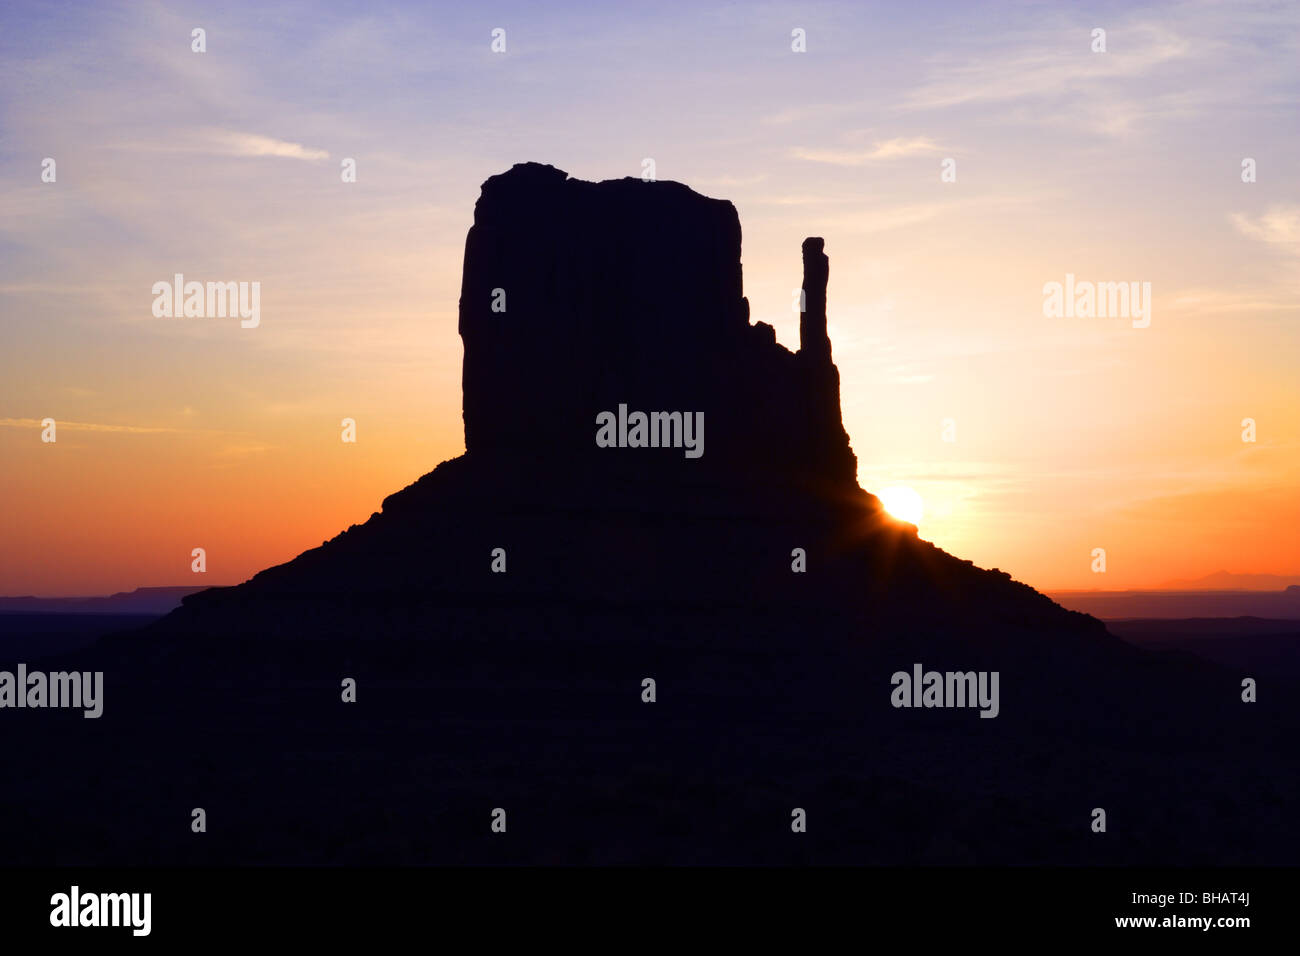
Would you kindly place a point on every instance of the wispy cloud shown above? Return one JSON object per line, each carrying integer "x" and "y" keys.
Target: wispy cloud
{"x": 228, "y": 142}
{"x": 1279, "y": 225}
{"x": 84, "y": 426}
{"x": 897, "y": 148}
{"x": 250, "y": 144}
{"x": 1040, "y": 74}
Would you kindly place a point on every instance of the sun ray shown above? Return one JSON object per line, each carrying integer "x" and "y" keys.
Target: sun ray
{"x": 903, "y": 503}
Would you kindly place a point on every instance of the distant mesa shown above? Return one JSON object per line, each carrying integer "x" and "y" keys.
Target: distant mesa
{"x": 1230, "y": 581}
{"x": 141, "y": 601}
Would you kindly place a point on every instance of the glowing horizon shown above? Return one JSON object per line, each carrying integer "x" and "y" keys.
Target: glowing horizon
{"x": 1032, "y": 440}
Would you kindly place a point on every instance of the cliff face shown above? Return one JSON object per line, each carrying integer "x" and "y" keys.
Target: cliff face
{"x": 578, "y": 297}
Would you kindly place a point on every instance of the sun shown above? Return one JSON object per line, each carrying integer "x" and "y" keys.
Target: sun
{"x": 903, "y": 503}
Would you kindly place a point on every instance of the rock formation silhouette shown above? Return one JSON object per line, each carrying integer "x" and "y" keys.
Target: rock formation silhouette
{"x": 580, "y": 297}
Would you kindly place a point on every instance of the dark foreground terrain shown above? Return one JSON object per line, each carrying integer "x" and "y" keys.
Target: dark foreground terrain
{"x": 551, "y": 727}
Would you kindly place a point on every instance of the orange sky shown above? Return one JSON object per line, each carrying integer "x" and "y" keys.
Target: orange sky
{"x": 1071, "y": 433}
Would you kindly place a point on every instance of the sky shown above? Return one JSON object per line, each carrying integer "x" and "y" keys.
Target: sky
{"x": 1033, "y": 440}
